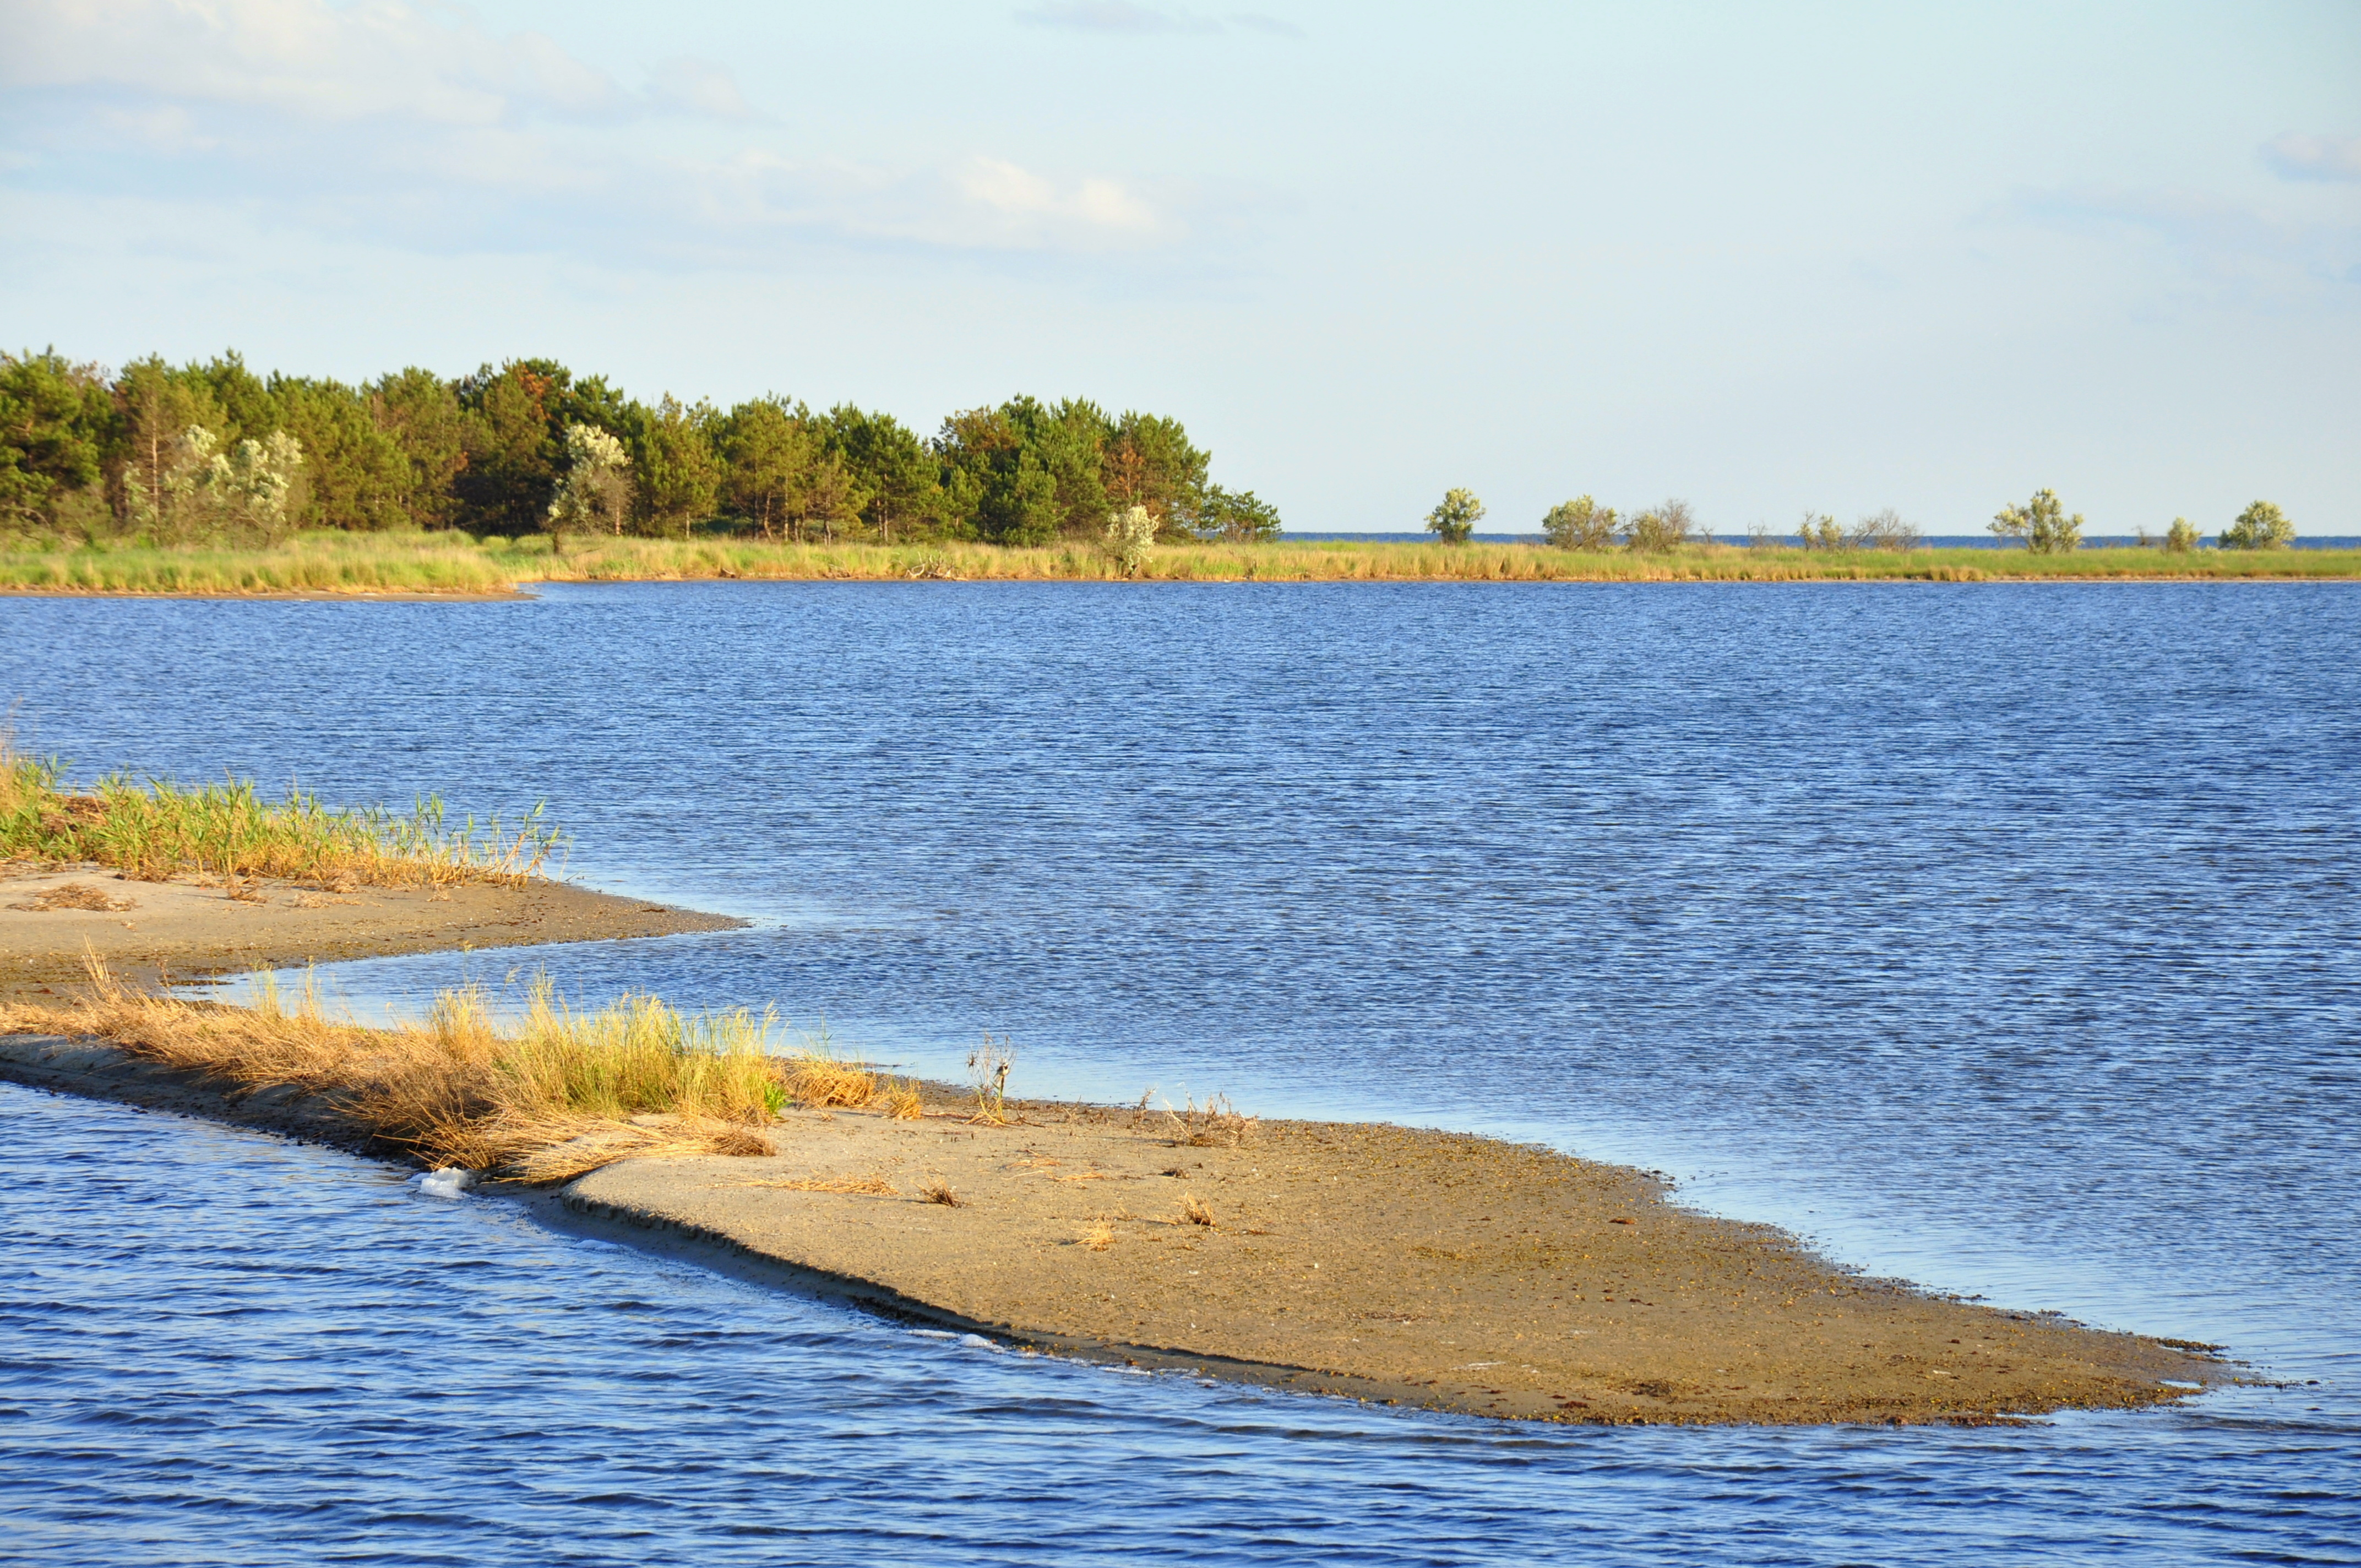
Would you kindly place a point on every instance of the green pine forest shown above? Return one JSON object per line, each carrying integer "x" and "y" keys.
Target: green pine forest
{"x": 213, "y": 452}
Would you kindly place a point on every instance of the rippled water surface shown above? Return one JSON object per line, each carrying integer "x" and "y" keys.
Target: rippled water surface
{"x": 2001, "y": 935}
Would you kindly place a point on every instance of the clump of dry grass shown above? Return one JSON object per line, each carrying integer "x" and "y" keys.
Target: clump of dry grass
{"x": 1097, "y": 1236}
{"x": 940, "y": 1193}
{"x": 562, "y": 1094}
{"x": 1215, "y": 1124}
{"x": 901, "y": 1101}
{"x": 816, "y": 1077}
{"x": 75, "y": 895}
{"x": 1194, "y": 1210}
{"x": 987, "y": 1073}
{"x": 155, "y": 830}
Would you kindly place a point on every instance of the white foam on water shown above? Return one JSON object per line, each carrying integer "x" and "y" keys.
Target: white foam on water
{"x": 977, "y": 1342}
{"x": 449, "y": 1182}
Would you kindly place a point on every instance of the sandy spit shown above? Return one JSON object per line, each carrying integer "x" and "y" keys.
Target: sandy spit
{"x": 191, "y": 927}
{"x": 1389, "y": 1264}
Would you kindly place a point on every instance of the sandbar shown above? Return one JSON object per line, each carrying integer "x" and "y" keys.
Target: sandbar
{"x": 1405, "y": 1266}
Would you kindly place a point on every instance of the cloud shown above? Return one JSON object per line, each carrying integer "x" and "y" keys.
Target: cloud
{"x": 420, "y": 129}
{"x": 1123, "y": 18}
{"x": 2314, "y": 158}
{"x": 2235, "y": 250}
{"x": 375, "y": 60}
{"x": 698, "y": 87}
{"x": 1255, "y": 21}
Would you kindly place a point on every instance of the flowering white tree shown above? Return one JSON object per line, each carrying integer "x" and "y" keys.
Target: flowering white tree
{"x": 597, "y": 487}
{"x": 1130, "y": 535}
{"x": 207, "y": 490}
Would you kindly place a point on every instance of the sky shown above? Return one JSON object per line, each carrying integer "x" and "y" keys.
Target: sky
{"x": 1766, "y": 259}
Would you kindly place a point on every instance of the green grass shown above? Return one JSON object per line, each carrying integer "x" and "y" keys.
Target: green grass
{"x": 455, "y": 563}
{"x": 155, "y": 828}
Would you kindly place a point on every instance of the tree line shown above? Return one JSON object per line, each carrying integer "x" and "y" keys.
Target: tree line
{"x": 180, "y": 454}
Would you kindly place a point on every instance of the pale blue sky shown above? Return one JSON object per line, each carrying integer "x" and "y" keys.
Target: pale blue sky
{"x": 1765, "y": 257}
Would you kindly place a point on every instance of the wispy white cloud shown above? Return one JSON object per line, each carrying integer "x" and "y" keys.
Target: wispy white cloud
{"x": 420, "y": 129}
{"x": 304, "y": 58}
{"x": 2314, "y": 158}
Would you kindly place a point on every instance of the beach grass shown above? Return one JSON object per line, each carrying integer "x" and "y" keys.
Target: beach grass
{"x": 155, "y": 828}
{"x": 561, "y": 1093}
{"x": 452, "y": 564}
{"x": 326, "y": 562}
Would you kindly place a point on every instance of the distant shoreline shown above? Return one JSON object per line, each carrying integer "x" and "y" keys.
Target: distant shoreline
{"x": 454, "y": 566}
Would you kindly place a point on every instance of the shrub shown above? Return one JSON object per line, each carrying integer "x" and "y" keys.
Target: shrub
{"x": 1580, "y": 524}
{"x": 1660, "y": 528}
{"x": 2042, "y": 523}
{"x": 1884, "y": 530}
{"x": 1130, "y": 536}
{"x": 2181, "y": 537}
{"x": 2261, "y": 526}
{"x": 1455, "y": 519}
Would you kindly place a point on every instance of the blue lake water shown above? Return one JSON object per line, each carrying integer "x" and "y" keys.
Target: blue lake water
{"x": 2000, "y": 936}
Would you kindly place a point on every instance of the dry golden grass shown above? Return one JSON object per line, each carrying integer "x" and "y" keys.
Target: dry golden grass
{"x": 75, "y": 895}
{"x": 819, "y": 1078}
{"x": 901, "y": 1101}
{"x": 1217, "y": 1123}
{"x": 1194, "y": 1210}
{"x": 940, "y": 1193}
{"x": 563, "y": 1093}
{"x": 155, "y": 830}
{"x": 1097, "y": 1236}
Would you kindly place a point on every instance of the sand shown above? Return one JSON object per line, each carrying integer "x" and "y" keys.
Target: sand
{"x": 1386, "y": 1263}
{"x": 189, "y": 927}
{"x": 1413, "y": 1267}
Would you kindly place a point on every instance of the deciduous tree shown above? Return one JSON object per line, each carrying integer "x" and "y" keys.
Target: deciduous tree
{"x": 2262, "y": 526}
{"x": 1455, "y": 519}
{"x": 2042, "y": 523}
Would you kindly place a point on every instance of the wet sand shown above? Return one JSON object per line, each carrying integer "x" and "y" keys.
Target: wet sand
{"x": 190, "y": 927}
{"x": 1386, "y": 1263}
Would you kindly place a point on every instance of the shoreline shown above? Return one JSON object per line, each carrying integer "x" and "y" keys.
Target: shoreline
{"x": 1417, "y": 1267}
{"x": 423, "y": 567}
{"x": 189, "y": 927}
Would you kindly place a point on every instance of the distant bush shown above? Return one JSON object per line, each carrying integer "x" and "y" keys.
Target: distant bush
{"x": 1664, "y": 527}
{"x": 1455, "y": 519}
{"x": 2042, "y": 523}
{"x": 2181, "y": 537}
{"x": 2261, "y": 526}
{"x": 1884, "y": 530}
{"x": 1580, "y": 524}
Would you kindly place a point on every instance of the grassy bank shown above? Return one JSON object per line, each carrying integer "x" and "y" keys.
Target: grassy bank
{"x": 155, "y": 828}
{"x": 326, "y": 562}
{"x": 561, "y": 1094}
{"x": 454, "y": 564}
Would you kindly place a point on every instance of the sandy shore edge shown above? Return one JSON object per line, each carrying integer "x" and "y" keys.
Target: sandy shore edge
{"x": 189, "y": 926}
{"x": 1392, "y": 1265}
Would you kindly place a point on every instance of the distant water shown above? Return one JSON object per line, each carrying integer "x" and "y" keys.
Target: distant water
{"x": 2000, "y": 936}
